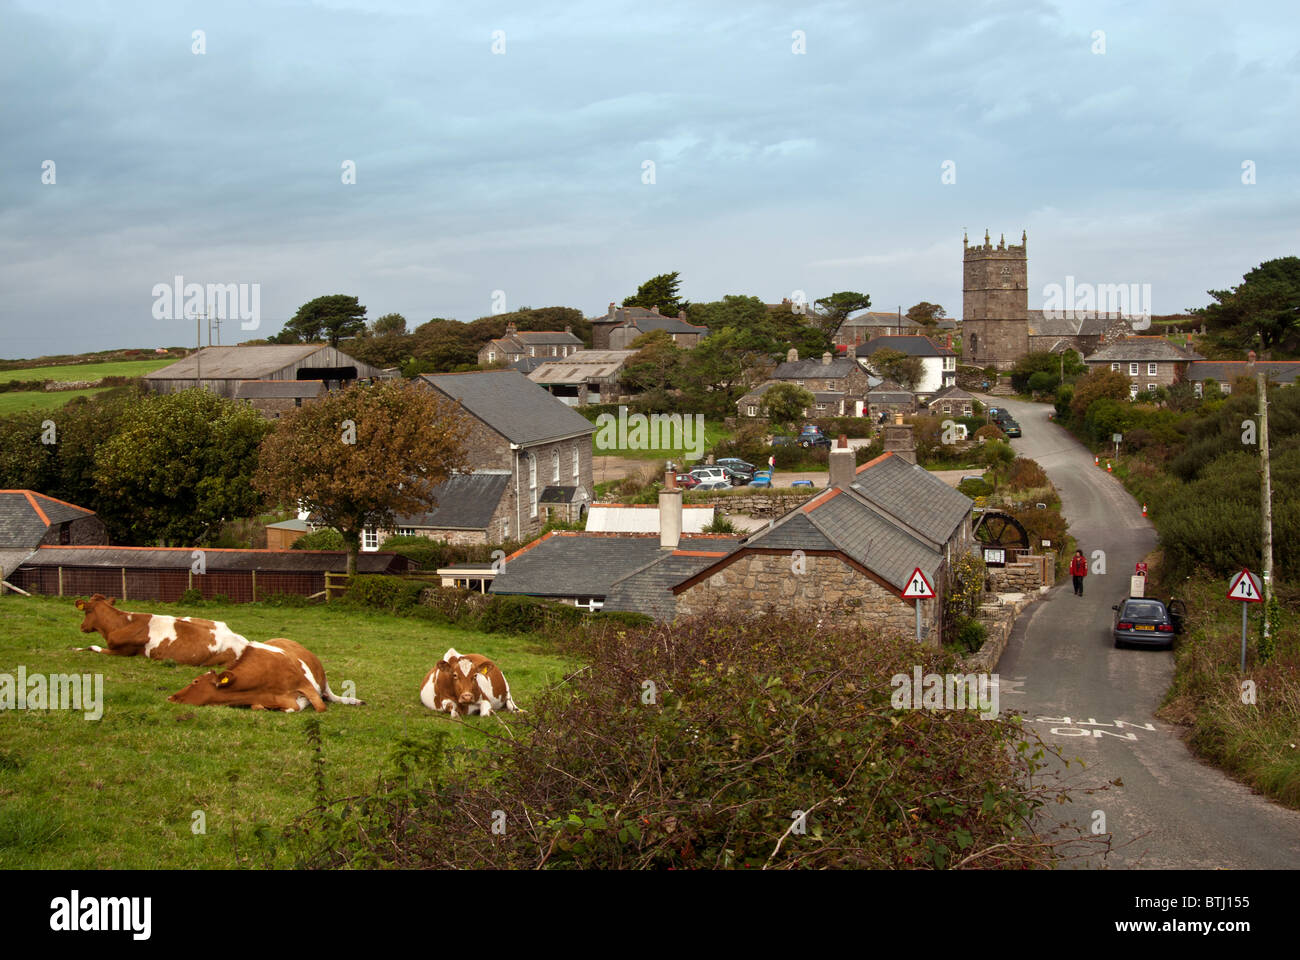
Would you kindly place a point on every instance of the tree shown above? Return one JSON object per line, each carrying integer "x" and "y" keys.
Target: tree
{"x": 1098, "y": 384}
{"x": 331, "y": 317}
{"x": 926, "y": 313}
{"x": 835, "y": 309}
{"x": 899, "y": 367}
{"x": 389, "y": 325}
{"x": 363, "y": 455}
{"x": 784, "y": 403}
{"x": 661, "y": 292}
{"x": 1263, "y": 309}
{"x": 656, "y": 366}
{"x": 1044, "y": 362}
{"x": 178, "y": 466}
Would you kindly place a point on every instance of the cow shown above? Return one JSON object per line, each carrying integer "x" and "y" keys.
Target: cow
{"x": 198, "y": 642}
{"x": 277, "y": 675}
{"x": 469, "y": 682}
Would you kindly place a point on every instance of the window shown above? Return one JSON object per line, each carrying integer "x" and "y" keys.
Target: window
{"x": 1151, "y": 370}
{"x": 1133, "y": 369}
{"x": 555, "y": 466}
{"x": 752, "y": 410}
{"x": 1152, "y": 387}
{"x": 1132, "y": 390}
{"x": 505, "y": 528}
{"x": 492, "y": 356}
{"x": 369, "y": 539}
{"x": 577, "y": 464}
{"x": 1226, "y": 388}
{"x": 406, "y": 531}
{"x": 1114, "y": 366}
{"x": 532, "y": 351}
{"x": 1198, "y": 389}
{"x": 532, "y": 485}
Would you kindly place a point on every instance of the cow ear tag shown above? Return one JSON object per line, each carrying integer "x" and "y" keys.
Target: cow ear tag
{"x": 225, "y": 679}
{"x": 483, "y": 669}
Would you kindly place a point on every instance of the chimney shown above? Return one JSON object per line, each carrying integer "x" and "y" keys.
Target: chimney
{"x": 655, "y": 309}
{"x": 899, "y": 439}
{"x": 843, "y": 463}
{"x": 670, "y": 513}
{"x": 681, "y": 315}
{"x": 511, "y": 330}
{"x": 792, "y": 356}
{"x": 613, "y": 309}
{"x": 948, "y": 342}
{"x": 826, "y": 359}
{"x": 1250, "y": 358}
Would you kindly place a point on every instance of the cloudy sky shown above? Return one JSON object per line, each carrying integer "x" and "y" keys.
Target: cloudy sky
{"x": 507, "y": 147}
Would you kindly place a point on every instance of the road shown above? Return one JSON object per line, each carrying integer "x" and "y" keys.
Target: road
{"x": 1063, "y": 672}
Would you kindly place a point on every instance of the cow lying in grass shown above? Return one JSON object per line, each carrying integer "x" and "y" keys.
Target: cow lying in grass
{"x": 469, "y": 682}
{"x": 279, "y": 675}
{"x": 201, "y": 643}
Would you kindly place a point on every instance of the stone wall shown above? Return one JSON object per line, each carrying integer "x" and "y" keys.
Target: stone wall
{"x": 753, "y": 504}
{"x": 826, "y": 586}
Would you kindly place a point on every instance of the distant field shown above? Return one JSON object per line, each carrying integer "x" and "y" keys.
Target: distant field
{"x": 40, "y": 400}
{"x": 89, "y": 371}
{"x": 122, "y": 791}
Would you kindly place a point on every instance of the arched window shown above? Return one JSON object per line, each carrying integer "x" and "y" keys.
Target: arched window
{"x": 555, "y": 466}
{"x": 974, "y": 344}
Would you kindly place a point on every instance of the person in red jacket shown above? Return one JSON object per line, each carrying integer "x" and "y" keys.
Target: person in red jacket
{"x": 1078, "y": 570}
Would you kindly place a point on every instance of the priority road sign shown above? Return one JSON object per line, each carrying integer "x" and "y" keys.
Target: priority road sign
{"x": 1245, "y": 587}
{"x": 918, "y": 588}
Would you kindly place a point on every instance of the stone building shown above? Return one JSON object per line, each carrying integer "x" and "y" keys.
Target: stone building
{"x": 529, "y": 458}
{"x": 1226, "y": 372}
{"x": 221, "y": 370}
{"x": 1148, "y": 362}
{"x": 519, "y": 345}
{"x": 274, "y": 398}
{"x": 30, "y": 520}
{"x": 839, "y": 385}
{"x": 622, "y": 325}
{"x": 588, "y": 376}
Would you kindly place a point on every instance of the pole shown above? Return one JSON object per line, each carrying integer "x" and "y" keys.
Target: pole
{"x": 1243, "y": 638}
{"x": 918, "y": 619}
{"x": 1266, "y": 498}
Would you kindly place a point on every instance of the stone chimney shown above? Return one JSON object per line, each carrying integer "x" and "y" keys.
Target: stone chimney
{"x": 613, "y": 309}
{"x": 899, "y": 438}
{"x": 511, "y": 329}
{"x": 670, "y": 513}
{"x": 826, "y": 359}
{"x": 655, "y": 309}
{"x": 948, "y": 341}
{"x": 1250, "y": 358}
{"x": 681, "y": 315}
{"x": 568, "y": 328}
{"x": 843, "y": 463}
{"x": 792, "y": 356}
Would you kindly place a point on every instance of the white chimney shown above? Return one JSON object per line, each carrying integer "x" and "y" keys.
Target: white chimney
{"x": 670, "y": 513}
{"x": 843, "y": 464}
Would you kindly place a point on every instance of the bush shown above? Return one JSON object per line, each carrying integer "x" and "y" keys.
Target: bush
{"x": 191, "y": 597}
{"x": 975, "y": 488}
{"x": 990, "y": 431}
{"x": 324, "y": 539}
{"x": 971, "y": 634}
{"x": 517, "y": 614}
{"x": 995, "y": 452}
{"x": 720, "y": 524}
{"x": 383, "y": 592}
{"x": 1026, "y": 474}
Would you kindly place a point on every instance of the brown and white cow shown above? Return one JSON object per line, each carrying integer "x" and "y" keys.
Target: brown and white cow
{"x": 468, "y": 682}
{"x": 192, "y": 640}
{"x": 278, "y": 675}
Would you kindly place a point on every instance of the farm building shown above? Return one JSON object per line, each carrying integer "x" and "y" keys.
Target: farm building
{"x": 222, "y": 369}
{"x": 274, "y": 398}
{"x": 588, "y": 376}
{"x": 164, "y": 573}
{"x": 29, "y": 519}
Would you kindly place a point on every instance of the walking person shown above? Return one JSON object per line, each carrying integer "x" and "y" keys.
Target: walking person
{"x": 1078, "y": 570}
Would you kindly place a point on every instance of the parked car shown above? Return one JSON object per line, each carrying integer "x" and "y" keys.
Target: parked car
{"x": 715, "y": 485}
{"x": 687, "y": 482}
{"x": 738, "y": 465}
{"x": 802, "y": 483}
{"x": 1147, "y": 622}
{"x": 705, "y": 474}
{"x": 738, "y": 477}
{"x": 1010, "y": 428}
{"x": 760, "y": 481}
{"x": 812, "y": 436}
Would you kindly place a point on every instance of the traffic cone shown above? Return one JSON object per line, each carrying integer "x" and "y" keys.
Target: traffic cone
{"x": 1108, "y": 469}
{"x": 1144, "y": 509}
{"x": 1096, "y": 461}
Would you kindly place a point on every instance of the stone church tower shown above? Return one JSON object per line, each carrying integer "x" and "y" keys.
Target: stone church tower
{"x": 995, "y": 303}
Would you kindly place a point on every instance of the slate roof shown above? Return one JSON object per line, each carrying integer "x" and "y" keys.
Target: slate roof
{"x": 913, "y": 495}
{"x": 1075, "y": 323}
{"x": 512, "y": 405}
{"x": 181, "y": 558}
{"x": 951, "y": 393}
{"x": 814, "y": 367}
{"x": 539, "y": 338}
{"x": 1143, "y": 350}
{"x": 648, "y": 589}
{"x": 527, "y": 365}
{"x": 1226, "y": 371}
{"x": 465, "y": 501}
{"x": 279, "y": 389}
{"x": 26, "y": 516}
{"x": 912, "y": 346}
{"x": 873, "y": 318}
{"x": 558, "y": 494}
{"x": 564, "y": 564}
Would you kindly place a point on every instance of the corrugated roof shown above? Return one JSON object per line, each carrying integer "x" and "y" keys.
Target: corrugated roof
{"x": 512, "y": 405}
{"x": 252, "y": 363}
{"x": 581, "y": 366}
{"x": 181, "y": 558}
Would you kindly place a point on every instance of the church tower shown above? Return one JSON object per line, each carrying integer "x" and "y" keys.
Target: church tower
{"x": 995, "y": 303}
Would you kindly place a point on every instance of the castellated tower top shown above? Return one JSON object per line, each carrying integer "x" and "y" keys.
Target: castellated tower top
{"x": 1002, "y": 250}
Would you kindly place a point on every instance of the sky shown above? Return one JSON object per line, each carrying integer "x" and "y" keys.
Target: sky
{"x": 542, "y": 154}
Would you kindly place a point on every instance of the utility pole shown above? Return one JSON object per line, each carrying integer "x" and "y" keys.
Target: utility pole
{"x": 1266, "y": 495}
{"x": 199, "y": 317}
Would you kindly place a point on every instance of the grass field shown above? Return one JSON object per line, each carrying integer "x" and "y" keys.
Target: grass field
{"x": 19, "y": 401}
{"x": 714, "y": 432}
{"x": 88, "y": 371}
{"x": 122, "y": 792}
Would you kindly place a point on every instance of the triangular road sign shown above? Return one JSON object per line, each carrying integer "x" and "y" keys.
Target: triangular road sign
{"x": 918, "y": 588}
{"x": 1245, "y": 586}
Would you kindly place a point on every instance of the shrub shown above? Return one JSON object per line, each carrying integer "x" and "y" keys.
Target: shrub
{"x": 191, "y": 597}
{"x": 383, "y": 592}
{"x": 720, "y": 524}
{"x": 324, "y": 539}
{"x": 990, "y": 431}
{"x": 1026, "y": 474}
{"x": 975, "y": 488}
{"x": 995, "y": 452}
{"x": 971, "y": 634}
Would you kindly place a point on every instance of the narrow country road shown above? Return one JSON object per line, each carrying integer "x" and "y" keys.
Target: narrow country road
{"x": 1078, "y": 692}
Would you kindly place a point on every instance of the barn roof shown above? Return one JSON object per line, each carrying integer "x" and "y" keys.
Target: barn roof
{"x": 215, "y": 559}
{"x": 254, "y": 362}
{"x": 512, "y": 405}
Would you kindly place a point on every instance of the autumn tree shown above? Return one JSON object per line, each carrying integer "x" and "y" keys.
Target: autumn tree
{"x": 1098, "y": 384}
{"x": 177, "y": 467}
{"x": 925, "y": 313}
{"x": 785, "y": 403}
{"x": 363, "y": 455}
{"x": 897, "y": 366}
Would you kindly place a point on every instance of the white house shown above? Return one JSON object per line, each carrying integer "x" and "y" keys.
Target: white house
{"x": 938, "y": 364}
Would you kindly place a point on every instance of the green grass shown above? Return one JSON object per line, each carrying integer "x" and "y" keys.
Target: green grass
{"x": 89, "y": 371}
{"x": 20, "y": 401}
{"x": 714, "y": 433}
{"x": 121, "y": 792}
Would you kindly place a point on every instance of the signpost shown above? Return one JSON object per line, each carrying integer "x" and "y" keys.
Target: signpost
{"x": 1116, "y": 438}
{"x": 1246, "y": 588}
{"x": 918, "y": 588}
{"x": 1140, "y": 567}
